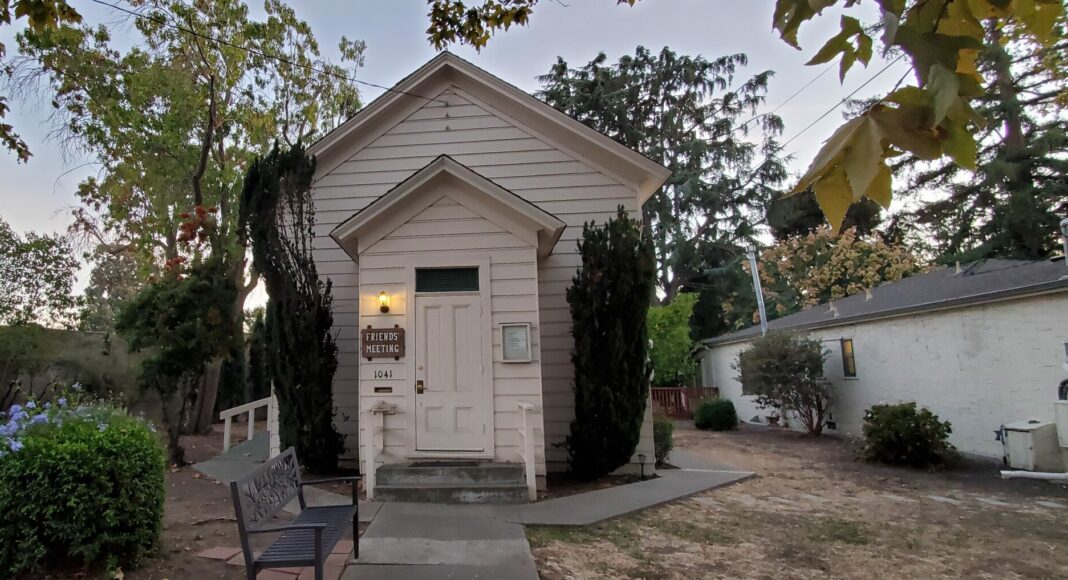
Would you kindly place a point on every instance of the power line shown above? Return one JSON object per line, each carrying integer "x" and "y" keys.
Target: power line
{"x": 843, "y": 101}
{"x": 791, "y": 97}
{"x": 258, "y": 52}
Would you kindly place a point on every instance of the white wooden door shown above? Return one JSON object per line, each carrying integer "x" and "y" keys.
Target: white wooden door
{"x": 448, "y": 360}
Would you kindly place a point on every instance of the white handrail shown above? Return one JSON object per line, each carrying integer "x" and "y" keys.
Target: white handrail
{"x": 376, "y": 424}
{"x": 526, "y": 433}
{"x": 250, "y": 408}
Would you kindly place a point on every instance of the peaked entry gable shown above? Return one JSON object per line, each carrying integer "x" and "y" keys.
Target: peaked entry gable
{"x": 445, "y": 177}
{"x": 448, "y": 71}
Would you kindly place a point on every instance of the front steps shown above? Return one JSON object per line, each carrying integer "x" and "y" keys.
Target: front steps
{"x": 467, "y": 482}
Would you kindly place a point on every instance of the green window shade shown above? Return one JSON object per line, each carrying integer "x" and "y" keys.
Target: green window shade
{"x": 446, "y": 280}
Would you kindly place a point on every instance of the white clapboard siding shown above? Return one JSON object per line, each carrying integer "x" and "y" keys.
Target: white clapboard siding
{"x": 518, "y": 160}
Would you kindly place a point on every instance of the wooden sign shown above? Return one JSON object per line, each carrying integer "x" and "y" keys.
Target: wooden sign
{"x": 382, "y": 342}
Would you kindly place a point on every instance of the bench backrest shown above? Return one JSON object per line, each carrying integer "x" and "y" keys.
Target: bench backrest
{"x": 260, "y": 495}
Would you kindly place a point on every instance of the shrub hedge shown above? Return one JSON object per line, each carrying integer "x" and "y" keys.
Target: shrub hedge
{"x": 80, "y": 484}
{"x": 715, "y": 414}
{"x": 901, "y": 434}
{"x": 663, "y": 438}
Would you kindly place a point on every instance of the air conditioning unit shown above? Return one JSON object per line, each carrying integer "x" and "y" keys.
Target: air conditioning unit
{"x": 1060, "y": 414}
{"x": 1032, "y": 445}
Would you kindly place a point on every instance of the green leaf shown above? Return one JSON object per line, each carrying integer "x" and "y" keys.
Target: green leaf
{"x": 909, "y": 128}
{"x": 960, "y": 144}
{"x": 880, "y": 189}
{"x": 863, "y": 157}
{"x": 944, "y": 88}
{"x": 834, "y": 196}
{"x": 829, "y": 154}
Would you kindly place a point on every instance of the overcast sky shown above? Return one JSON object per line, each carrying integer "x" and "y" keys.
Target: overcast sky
{"x": 36, "y": 195}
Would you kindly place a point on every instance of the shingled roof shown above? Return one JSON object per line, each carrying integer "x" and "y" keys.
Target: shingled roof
{"x": 973, "y": 283}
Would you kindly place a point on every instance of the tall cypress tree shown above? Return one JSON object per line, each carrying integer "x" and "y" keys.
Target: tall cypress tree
{"x": 609, "y": 297}
{"x": 277, "y": 209}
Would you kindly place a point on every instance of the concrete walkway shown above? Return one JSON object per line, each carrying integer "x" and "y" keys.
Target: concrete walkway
{"x": 238, "y": 460}
{"x": 432, "y": 541}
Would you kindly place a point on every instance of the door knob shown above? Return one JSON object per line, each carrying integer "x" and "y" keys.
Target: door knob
{"x": 419, "y": 387}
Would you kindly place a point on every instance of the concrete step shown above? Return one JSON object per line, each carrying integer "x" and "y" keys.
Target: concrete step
{"x": 434, "y": 473}
{"x": 453, "y": 493}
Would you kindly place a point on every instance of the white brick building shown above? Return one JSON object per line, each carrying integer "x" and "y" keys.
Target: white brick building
{"x": 981, "y": 347}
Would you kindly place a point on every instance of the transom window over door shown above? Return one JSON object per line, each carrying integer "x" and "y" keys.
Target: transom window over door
{"x": 446, "y": 280}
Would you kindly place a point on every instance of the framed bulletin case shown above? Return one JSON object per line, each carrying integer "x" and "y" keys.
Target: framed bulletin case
{"x": 515, "y": 342}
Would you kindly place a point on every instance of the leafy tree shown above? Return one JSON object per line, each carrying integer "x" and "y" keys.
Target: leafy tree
{"x": 258, "y": 383}
{"x": 785, "y": 371}
{"x": 800, "y": 215}
{"x": 36, "y": 276}
{"x": 278, "y": 212}
{"x": 185, "y": 317}
{"x": 1011, "y": 205}
{"x": 113, "y": 282}
{"x": 802, "y": 272}
{"x": 174, "y": 121}
{"x": 609, "y": 299}
{"x": 40, "y": 14}
{"x": 940, "y": 38}
{"x": 669, "y": 331}
{"x": 692, "y": 115}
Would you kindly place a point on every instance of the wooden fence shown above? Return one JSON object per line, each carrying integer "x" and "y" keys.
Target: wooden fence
{"x": 680, "y": 401}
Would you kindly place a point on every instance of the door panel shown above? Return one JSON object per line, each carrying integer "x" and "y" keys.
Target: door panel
{"x": 448, "y": 359}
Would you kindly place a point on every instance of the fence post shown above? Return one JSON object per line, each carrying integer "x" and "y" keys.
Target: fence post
{"x": 272, "y": 424}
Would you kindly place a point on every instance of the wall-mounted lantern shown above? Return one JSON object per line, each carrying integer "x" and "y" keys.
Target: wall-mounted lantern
{"x": 383, "y": 302}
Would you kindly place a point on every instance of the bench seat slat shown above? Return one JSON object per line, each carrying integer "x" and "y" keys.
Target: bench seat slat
{"x": 298, "y": 543}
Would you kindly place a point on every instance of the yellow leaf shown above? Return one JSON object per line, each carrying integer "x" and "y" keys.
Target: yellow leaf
{"x": 960, "y": 144}
{"x": 863, "y": 156}
{"x": 1040, "y": 18}
{"x": 834, "y": 196}
{"x": 880, "y": 189}
{"x": 829, "y": 154}
{"x": 966, "y": 64}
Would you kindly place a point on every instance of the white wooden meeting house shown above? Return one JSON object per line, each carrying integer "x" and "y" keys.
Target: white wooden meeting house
{"x": 448, "y": 212}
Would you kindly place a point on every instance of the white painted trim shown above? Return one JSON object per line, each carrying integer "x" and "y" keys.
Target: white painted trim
{"x": 438, "y": 179}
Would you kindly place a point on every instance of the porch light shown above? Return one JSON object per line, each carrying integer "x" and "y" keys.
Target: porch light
{"x": 383, "y": 302}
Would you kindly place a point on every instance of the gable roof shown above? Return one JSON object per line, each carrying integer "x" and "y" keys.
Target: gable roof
{"x": 447, "y": 70}
{"x": 446, "y": 177}
{"x": 975, "y": 283}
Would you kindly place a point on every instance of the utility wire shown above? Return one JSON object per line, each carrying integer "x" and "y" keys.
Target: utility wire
{"x": 259, "y": 52}
{"x": 791, "y": 97}
{"x": 843, "y": 101}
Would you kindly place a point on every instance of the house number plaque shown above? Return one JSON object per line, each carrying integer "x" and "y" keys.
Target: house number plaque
{"x": 382, "y": 342}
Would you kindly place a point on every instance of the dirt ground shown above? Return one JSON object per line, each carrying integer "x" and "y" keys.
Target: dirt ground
{"x": 199, "y": 514}
{"x": 814, "y": 512}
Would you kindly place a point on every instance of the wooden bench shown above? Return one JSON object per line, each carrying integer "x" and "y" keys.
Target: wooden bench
{"x": 308, "y": 539}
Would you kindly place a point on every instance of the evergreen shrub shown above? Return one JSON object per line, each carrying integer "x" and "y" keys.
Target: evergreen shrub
{"x": 903, "y": 434}
{"x": 715, "y": 415}
{"x": 663, "y": 438}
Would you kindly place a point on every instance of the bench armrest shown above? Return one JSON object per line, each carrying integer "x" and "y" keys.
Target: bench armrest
{"x": 279, "y": 529}
{"x": 353, "y": 479}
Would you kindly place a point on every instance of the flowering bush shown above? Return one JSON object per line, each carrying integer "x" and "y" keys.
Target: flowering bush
{"x": 80, "y": 482}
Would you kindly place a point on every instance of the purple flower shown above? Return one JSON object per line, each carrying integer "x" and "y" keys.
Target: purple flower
{"x": 15, "y": 410}
{"x": 15, "y": 445}
{"x": 31, "y": 405}
{"x": 101, "y": 426}
{"x": 76, "y": 386}
{"x": 47, "y": 405}
{"x": 62, "y": 401}
{"x": 38, "y": 419}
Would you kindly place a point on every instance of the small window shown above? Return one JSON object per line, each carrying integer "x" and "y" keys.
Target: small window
{"x": 849, "y": 360}
{"x": 446, "y": 280}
